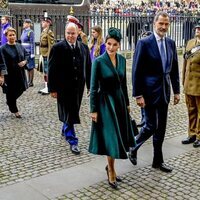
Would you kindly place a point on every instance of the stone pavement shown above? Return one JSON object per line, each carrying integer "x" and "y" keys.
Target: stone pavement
{"x": 36, "y": 163}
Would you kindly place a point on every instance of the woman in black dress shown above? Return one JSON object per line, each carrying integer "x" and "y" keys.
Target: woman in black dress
{"x": 15, "y": 58}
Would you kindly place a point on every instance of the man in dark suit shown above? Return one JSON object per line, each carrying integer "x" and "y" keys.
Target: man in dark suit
{"x": 155, "y": 68}
{"x": 69, "y": 69}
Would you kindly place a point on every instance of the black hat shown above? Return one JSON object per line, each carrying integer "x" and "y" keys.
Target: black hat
{"x": 27, "y": 21}
{"x": 47, "y": 19}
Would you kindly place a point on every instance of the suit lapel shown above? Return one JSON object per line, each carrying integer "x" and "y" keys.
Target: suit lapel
{"x": 154, "y": 46}
{"x": 169, "y": 51}
{"x": 110, "y": 65}
{"x": 107, "y": 60}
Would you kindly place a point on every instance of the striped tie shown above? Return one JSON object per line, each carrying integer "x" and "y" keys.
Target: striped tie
{"x": 163, "y": 54}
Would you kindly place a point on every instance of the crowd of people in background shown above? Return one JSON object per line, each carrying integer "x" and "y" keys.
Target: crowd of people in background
{"x": 129, "y": 8}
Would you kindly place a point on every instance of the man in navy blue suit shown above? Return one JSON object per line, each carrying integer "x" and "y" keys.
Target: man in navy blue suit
{"x": 154, "y": 70}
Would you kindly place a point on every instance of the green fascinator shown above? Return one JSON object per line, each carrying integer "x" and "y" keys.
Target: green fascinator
{"x": 114, "y": 33}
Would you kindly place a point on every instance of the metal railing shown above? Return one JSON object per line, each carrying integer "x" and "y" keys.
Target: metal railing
{"x": 181, "y": 27}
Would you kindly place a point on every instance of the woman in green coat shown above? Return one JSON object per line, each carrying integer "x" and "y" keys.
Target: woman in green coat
{"x": 111, "y": 132}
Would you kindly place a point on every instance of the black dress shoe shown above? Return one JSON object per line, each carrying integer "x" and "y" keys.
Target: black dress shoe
{"x": 189, "y": 140}
{"x": 75, "y": 149}
{"x": 132, "y": 155}
{"x": 163, "y": 167}
{"x": 118, "y": 178}
{"x": 196, "y": 143}
{"x": 45, "y": 93}
{"x": 112, "y": 184}
{"x": 17, "y": 115}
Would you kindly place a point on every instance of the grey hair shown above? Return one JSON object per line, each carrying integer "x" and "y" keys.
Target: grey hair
{"x": 70, "y": 24}
{"x": 161, "y": 13}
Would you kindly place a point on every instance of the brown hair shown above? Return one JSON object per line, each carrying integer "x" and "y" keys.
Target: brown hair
{"x": 10, "y": 29}
{"x": 161, "y": 13}
{"x": 99, "y": 41}
{"x": 6, "y": 17}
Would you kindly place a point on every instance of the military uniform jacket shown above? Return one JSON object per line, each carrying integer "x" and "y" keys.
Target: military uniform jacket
{"x": 46, "y": 42}
{"x": 28, "y": 40}
{"x": 3, "y": 36}
{"x": 191, "y": 71}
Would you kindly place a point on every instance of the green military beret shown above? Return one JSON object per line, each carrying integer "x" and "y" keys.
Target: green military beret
{"x": 114, "y": 33}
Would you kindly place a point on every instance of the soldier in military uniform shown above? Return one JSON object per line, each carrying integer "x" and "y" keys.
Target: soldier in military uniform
{"x": 28, "y": 42}
{"x": 5, "y": 23}
{"x": 46, "y": 42}
{"x": 191, "y": 84}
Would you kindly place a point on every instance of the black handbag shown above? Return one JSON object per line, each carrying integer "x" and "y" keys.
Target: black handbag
{"x": 134, "y": 125}
{"x": 4, "y": 88}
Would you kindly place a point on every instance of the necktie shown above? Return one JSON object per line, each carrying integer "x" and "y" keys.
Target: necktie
{"x": 72, "y": 46}
{"x": 162, "y": 53}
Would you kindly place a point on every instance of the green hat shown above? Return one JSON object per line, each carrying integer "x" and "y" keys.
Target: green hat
{"x": 114, "y": 33}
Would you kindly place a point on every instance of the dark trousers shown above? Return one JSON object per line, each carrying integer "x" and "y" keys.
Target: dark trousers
{"x": 193, "y": 106}
{"x": 142, "y": 115}
{"x": 155, "y": 124}
{"x": 70, "y": 134}
{"x": 11, "y": 98}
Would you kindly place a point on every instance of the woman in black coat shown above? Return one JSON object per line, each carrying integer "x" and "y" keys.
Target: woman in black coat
{"x": 3, "y": 71}
{"x": 15, "y": 58}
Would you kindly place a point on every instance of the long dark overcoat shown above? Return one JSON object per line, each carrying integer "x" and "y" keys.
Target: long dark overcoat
{"x": 16, "y": 78}
{"x": 69, "y": 80}
{"x": 112, "y": 135}
{"x": 3, "y": 70}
